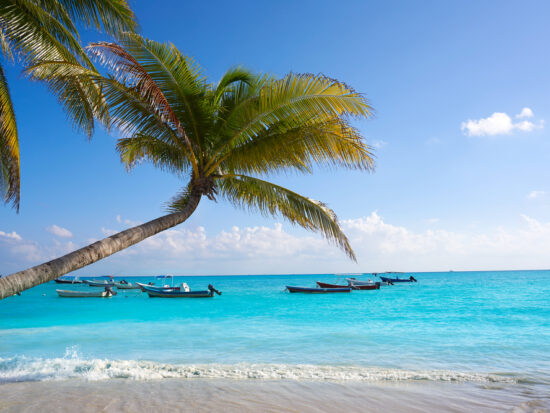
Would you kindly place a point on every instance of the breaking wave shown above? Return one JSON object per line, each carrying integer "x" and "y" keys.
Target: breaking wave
{"x": 71, "y": 366}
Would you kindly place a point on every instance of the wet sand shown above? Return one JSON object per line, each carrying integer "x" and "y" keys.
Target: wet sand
{"x": 193, "y": 395}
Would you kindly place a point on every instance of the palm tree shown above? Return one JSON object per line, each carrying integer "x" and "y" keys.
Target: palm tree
{"x": 41, "y": 31}
{"x": 223, "y": 139}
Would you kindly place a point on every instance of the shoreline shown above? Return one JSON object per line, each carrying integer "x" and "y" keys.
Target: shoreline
{"x": 228, "y": 395}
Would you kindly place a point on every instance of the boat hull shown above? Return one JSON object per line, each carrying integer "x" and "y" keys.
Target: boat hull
{"x": 375, "y": 286}
{"x": 397, "y": 280}
{"x": 81, "y": 294}
{"x": 127, "y": 286}
{"x": 180, "y": 294}
{"x": 99, "y": 283}
{"x": 306, "y": 290}
{"x": 146, "y": 288}
{"x": 60, "y": 281}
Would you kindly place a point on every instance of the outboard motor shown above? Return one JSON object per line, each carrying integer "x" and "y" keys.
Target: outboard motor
{"x": 109, "y": 290}
{"x": 412, "y": 279}
{"x": 213, "y": 290}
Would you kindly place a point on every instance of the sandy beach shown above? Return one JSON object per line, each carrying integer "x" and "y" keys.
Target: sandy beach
{"x": 192, "y": 395}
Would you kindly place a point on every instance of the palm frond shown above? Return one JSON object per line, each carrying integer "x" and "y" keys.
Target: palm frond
{"x": 234, "y": 75}
{"x": 179, "y": 78}
{"x": 114, "y": 16}
{"x": 77, "y": 90}
{"x": 333, "y": 143}
{"x": 270, "y": 199}
{"x": 35, "y": 35}
{"x": 293, "y": 100}
{"x": 9, "y": 147}
{"x": 163, "y": 155}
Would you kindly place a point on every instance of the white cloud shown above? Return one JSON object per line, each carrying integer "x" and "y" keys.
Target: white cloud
{"x": 108, "y": 232}
{"x": 536, "y": 194}
{"x": 12, "y": 235}
{"x": 127, "y": 222}
{"x": 499, "y": 123}
{"x": 378, "y": 144}
{"x": 525, "y": 113}
{"x": 59, "y": 231}
{"x": 379, "y": 245}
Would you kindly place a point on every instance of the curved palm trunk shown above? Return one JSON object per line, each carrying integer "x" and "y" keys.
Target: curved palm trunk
{"x": 48, "y": 271}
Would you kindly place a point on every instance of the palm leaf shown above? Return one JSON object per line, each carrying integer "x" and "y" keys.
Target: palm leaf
{"x": 270, "y": 199}
{"x": 129, "y": 73}
{"x": 295, "y": 99}
{"x": 9, "y": 147}
{"x": 163, "y": 155}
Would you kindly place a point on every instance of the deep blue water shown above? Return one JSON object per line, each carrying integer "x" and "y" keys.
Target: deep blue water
{"x": 458, "y": 322}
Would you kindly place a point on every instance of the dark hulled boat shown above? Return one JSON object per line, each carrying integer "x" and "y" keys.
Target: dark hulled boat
{"x": 375, "y": 286}
{"x": 411, "y": 279}
{"x": 184, "y": 294}
{"x": 68, "y": 281}
{"x": 317, "y": 290}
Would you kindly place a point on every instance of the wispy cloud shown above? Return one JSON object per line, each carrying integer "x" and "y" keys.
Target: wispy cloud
{"x": 500, "y": 123}
{"x": 377, "y": 144}
{"x": 127, "y": 222}
{"x": 379, "y": 245}
{"x": 59, "y": 231}
{"x": 536, "y": 194}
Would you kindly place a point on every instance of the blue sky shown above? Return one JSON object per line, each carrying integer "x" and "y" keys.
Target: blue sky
{"x": 455, "y": 186}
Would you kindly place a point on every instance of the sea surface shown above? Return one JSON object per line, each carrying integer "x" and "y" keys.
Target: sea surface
{"x": 482, "y": 336}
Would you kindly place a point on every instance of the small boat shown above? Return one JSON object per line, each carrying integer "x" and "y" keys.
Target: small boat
{"x": 375, "y": 286}
{"x": 67, "y": 293}
{"x": 125, "y": 285}
{"x": 62, "y": 280}
{"x": 185, "y": 294}
{"x": 307, "y": 290}
{"x": 150, "y": 287}
{"x": 353, "y": 282}
{"x": 398, "y": 280}
{"x": 100, "y": 283}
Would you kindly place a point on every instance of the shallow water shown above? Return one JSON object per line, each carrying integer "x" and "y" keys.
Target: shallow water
{"x": 471, "y": 328}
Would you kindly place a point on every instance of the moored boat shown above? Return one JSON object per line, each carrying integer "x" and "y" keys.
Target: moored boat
{"x": 398, "y": 280}
{"x": 185, "y": 294}
{"x": 124, "y": 285}
{"x": 307, "y": 290}
{"x": 149, "y": 287}
{"x": 353, "y": 282}
{"x": 375, "y": 286}
{"x": 100, "y": 283}
{"x": 75, "y": 294}
{"x": 62, "y": 280}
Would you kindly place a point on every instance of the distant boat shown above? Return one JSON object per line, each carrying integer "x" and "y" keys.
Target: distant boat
{"x": 149, "y": 287}
{"x": 184, "y": 294}
{"x": 74, "y": 280}
{"x": 67, "y": 293}
{"x": 317, "y": 290}
{"x": 124, "y": 285}
{"x": 100, "y": 283}
{"x": 353, "y": 282}
{"x": 398, "y": 280}
{"x": 375, "y": 286}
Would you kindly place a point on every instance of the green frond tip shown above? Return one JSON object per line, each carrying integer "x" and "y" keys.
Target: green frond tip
{"x": 179, "y": 202}
{"x": 270, "y": 199}
{"x": 9, "y": 147}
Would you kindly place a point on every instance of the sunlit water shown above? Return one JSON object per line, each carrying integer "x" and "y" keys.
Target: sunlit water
{"x": 478, "y": 327}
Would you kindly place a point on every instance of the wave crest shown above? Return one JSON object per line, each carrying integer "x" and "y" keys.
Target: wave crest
{"x": 71, "y": 366}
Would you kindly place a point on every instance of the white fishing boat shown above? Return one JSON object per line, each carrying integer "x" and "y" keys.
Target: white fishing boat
{"x": 354, "y": 282}
{"x": 123, "y": 285}
{"x": 68, "y": 293}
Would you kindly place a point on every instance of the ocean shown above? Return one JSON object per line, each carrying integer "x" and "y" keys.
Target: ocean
{"x": 471, "y": 340}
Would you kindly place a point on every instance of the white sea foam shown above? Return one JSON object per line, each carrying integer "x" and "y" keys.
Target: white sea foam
{"x": 72, "y": 366}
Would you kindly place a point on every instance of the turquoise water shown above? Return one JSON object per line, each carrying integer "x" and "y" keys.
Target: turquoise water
{"x": 458, "y": 326}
